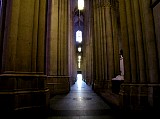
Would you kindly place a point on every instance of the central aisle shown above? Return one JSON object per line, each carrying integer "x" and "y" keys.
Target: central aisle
{"x": 80, "y": 103}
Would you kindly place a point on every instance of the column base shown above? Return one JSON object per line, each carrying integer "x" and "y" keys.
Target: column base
{"x": 140, "y": 97}
{"x": 23, "y": 92}
{"x": 89, "y": 81}
{"x": 99, "y": 86}
{"x": 72, "y": 80}
{"x": 58, "y": 84}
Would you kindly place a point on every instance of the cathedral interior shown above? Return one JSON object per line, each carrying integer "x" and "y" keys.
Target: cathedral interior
{"x": 113, "y": 45}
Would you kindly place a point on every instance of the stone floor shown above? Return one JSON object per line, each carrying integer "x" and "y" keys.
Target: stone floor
{"x": 80, "y": 103}
{"x": 83, "y": 103}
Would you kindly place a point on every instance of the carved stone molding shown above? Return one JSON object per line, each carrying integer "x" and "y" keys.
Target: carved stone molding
{"x": 140, "y": 96}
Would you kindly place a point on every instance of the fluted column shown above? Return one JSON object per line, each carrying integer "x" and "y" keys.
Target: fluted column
{"x": 149, "y": 41}
{"x": 125, "y": 35}
{"x": 63, "y": 38}
{"x": 87, "y": 42}
{"x": 125, "y": 42}
{"x": 53, "y": 38}
{"x": 139, "y": 43}
{"x": 24, "y": 27}
{"x": 72, "y": 62}
{"x": 41, "y": 36}
{"x": 2, "y": 26}
{"x": 35, "y": 32}
{"x": 23, "y": 53}
{"x": 156, "y": 9}
{"x": 115, "y": 29}
{"x": 101, "y": 23}
{"x": 151, "y": 56}
{"x": 9, "y": 57}
{"x": 98, "y": 39}
{"x": 58, "y": 77}
{"x": 95, "y": 43}
{"x": 109, "y": 40}
{"x": 59, "y": 38}
{"x": 100, "y": 45}
{"x": 131, "y": 41}
{"x": 104, "y": 45}
{"x": 139, "y": 39}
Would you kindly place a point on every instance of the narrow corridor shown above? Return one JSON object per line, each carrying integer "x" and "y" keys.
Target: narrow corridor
{"x": 80, "y": 103}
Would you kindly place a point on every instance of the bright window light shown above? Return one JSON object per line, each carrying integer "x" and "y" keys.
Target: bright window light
{"x": 79, "y": 57}
{"x": 79, "y": 81}
{"x": 79, "y": 49}
{"x": 80, "y": 4}
{"x": 79, "y": 36}
{"x": 79, "y": 65}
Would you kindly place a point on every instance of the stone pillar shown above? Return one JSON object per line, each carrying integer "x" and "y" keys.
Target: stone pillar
{"x": 125, "y": 35}
{"x": 156, "y": 9}
{"x": 149, "y": 41}
{"x": 98, "y": 46}
{"x": 53, "y": 38}
{"x": 104, "y": 42}
{"x": 131, "y": 41}
{"x": 109, "y": 42}
{"x": 41, "y": 37}
{"x": 35, "y": 36}
{"x": 151, "y": 56}
{"x": 102, "y": 55}
{"x": 139, "y": 43}
{"x": 71, "y": 44}
{"x": 2, "y": 26}
{"x": 125, "y": 42}
{"x": 48, "y": 30}
{"x": 22, "y": 84}
{"x": 95, "y": 44}
{"x": 141, "y": 91}
{"x": 87, "y": 43}
{"x": 115, "y": 29}
{"x": 58, "y": 77}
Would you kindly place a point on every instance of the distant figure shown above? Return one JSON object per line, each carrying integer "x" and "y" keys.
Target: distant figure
{"x": 119, "y": 79}
{"x": 121, "y": 63}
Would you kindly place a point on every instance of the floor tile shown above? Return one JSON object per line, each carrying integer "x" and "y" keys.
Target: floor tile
{"x": 80, "y": 103}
